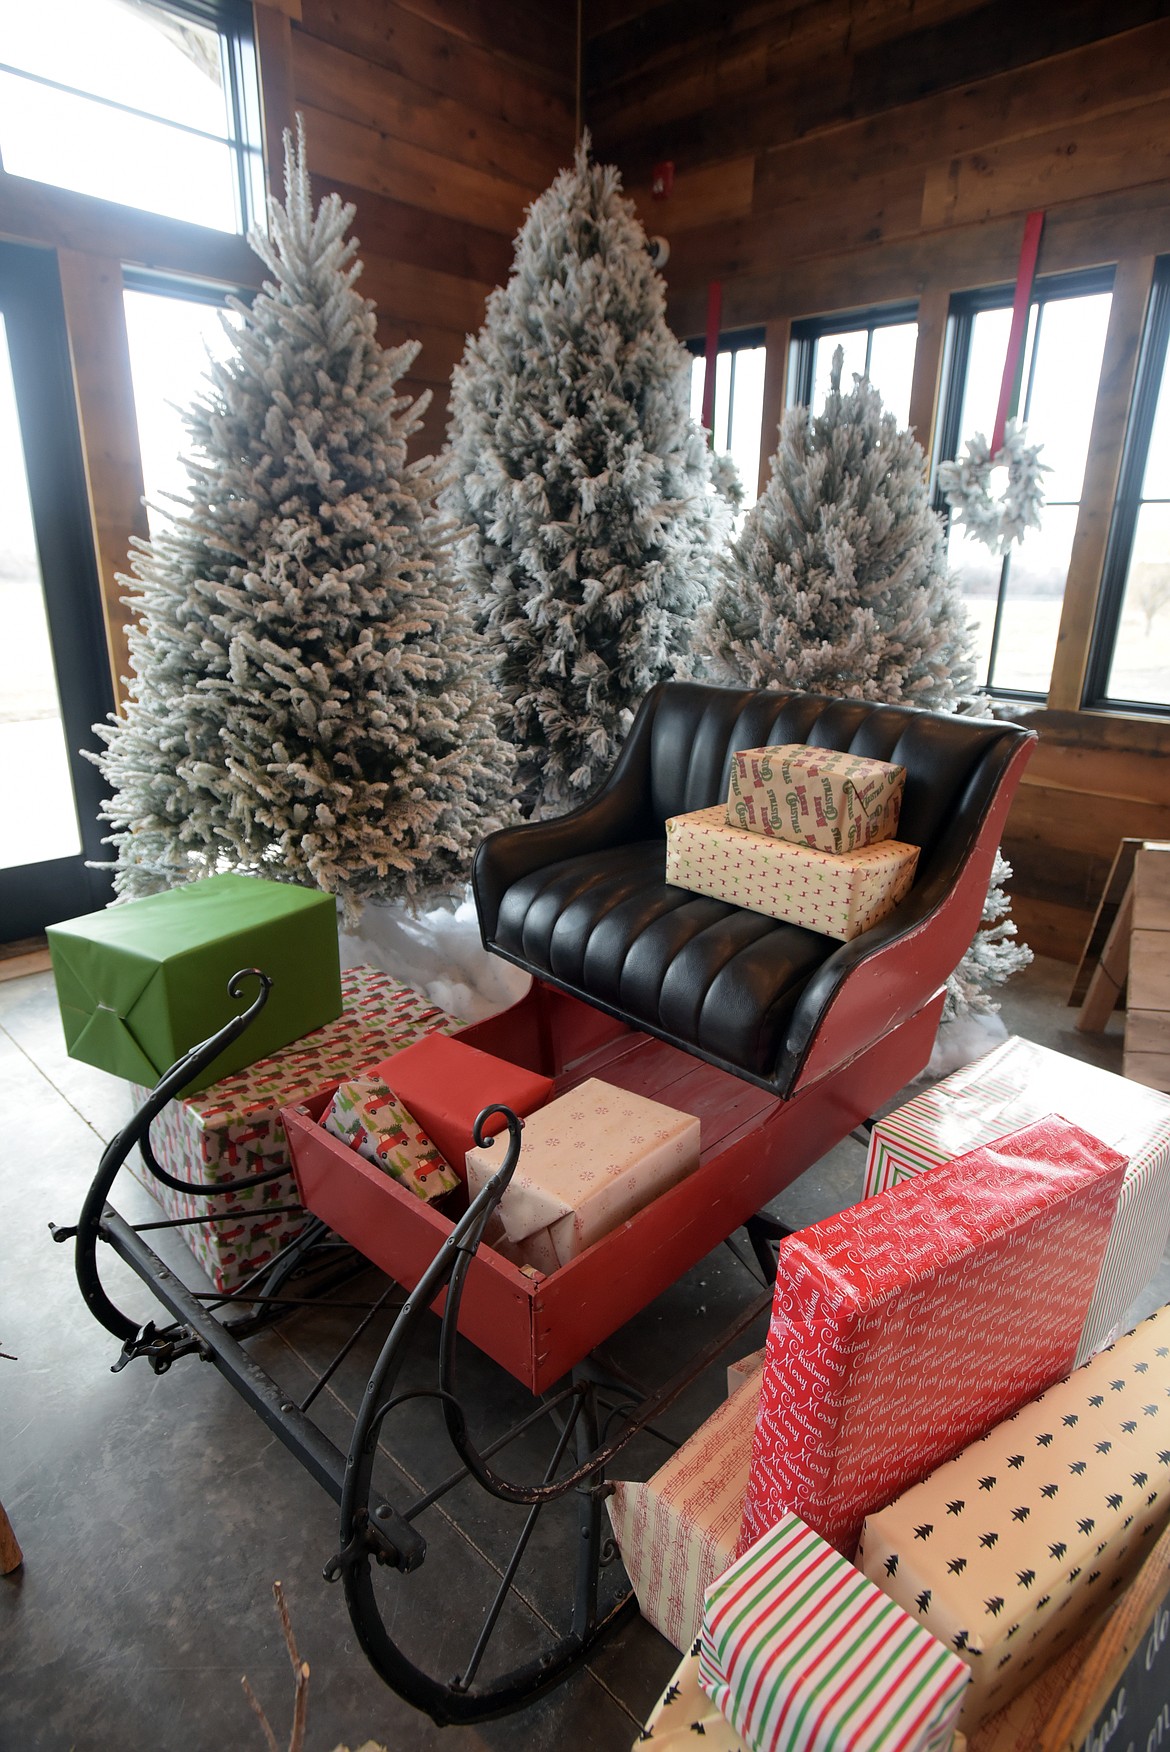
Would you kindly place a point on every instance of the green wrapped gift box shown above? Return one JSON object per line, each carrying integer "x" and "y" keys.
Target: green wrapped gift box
{"x": 141, "y": 984}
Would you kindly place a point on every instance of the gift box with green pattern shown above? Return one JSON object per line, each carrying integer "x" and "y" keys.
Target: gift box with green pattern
{"x": 366, "y": 1115}
{"x": 141, "y": 984}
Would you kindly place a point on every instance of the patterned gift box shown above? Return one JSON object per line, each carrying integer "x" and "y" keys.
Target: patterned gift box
{"x": 908, "y": 1325}
{"x": 802, "y": 1653}
{"x": 840, "y": 896}
{"x": 815, "y": 796}
{"x": 684, "y": 1715}
{"x": 677, "y": 1532}
{"x": 1013, "y": 1086}
{"x": 233, "y": 1129}
{"x": 366, "y": 1115}
{"x": 1008, "y": 1550}
{"x": 590, "y": 1160}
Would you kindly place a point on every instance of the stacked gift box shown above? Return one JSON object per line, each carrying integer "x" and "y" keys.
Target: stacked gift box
{"x": 806, "y": 836}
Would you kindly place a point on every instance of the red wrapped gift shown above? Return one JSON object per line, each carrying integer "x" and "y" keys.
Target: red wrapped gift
{"x": 444, "y": 1084}
{"x": 910, "y": 1325}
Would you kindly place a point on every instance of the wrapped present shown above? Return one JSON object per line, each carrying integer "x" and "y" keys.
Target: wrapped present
{"x": 446, "y": 1084}
{"x": 141, "y": 984}
{"x": 233, "y": 1130}
{"x": 746, "y": 1369}
{"x": 678, "y": 1531}
{"x": 1013, "y": 1086}
{"x": 928, "y": 1296}
{"x": 684, "y": 1715}
{"x": 815, "y": 796}
{"x": 1006, "y": 1552}
{"x": 800, "y": 1651}
{"x": 365, "y": 1114}
{"x": 590, "y": 1160}
{"x": 838, "y": 895}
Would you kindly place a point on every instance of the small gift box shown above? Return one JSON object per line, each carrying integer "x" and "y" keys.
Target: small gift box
{"x": 941, "y": 1294}
{"x": 1007, "y": 1551}
{"x": 141, "y": 984}
{"x": 684, "y": 1715}
{"x": 366, "y": 1115}
{"x": 800, "y": 1651}
{"x": 839, "y": 895}
{"x": 1013, "y": 1086}
{"x": 815, "y": 796}
{"x": 589, "y": 1160}
{"x": 446, "y": 1085}
{"x": 677, "y": 1532}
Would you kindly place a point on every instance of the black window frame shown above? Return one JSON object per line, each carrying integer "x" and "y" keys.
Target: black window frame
{"x": 1127, "y": 504}
{"x": 964, "y": 307}
{"x": 233, "y": 22}
{"x": 810, "y": 329}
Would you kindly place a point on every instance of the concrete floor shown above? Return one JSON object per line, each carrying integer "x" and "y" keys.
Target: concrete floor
{"x": 155, "y": 1512}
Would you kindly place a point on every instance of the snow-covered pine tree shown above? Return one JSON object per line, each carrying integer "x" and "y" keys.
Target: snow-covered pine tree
{"x": 593, "y": 511}
{"x": 310, "y": 702}
{"x": 838, "y": 584}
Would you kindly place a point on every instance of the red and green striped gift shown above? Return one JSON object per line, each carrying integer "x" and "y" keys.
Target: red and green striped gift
{"x": 802, "y": 1653}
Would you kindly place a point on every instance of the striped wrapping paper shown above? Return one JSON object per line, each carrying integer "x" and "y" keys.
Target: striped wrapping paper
{"x": 1012, "y": 1087}
{"x": 802, "y": 1653}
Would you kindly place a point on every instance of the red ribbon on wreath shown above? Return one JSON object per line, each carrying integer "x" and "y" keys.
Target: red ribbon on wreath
{"x": 1013, "y": 365}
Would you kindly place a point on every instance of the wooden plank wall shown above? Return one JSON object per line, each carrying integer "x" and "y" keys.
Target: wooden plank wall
{"x": 832, "y": 154}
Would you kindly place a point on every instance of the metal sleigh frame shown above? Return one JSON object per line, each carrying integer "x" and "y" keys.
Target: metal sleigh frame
{"x": 769, "y": 1147}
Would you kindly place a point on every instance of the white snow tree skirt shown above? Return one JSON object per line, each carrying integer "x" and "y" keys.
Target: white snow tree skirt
{"x": 437, "y": 953}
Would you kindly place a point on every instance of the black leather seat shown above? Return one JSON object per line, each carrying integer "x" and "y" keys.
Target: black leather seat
{"x": 583, "y": 901}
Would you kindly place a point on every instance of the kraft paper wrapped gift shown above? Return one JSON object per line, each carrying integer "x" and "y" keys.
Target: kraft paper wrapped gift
{"x": 1011, "y": 1548}
{"x": 1014, "y": 1085}
{"x": 233, "y": 1129}
{"x": 589, "y": 1160}
{"x": 141, "y": 984}
{"x": 684, "y": 1715}
{"x": 446, "y": 1084}
{"x": 678, "y": 1531}
{"x": 366, "y": 1115}
{"x": 908, "y": 1325}
{"x": 837, "y": 895}
{"x": 802, "y": 1653}
{"x": 815, "y": 796}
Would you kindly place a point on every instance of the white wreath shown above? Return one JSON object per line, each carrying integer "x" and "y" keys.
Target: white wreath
{"x": 966, "y": 486}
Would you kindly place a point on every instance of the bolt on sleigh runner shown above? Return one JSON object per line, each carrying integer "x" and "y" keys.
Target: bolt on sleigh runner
{"x": 777, "y": 1039}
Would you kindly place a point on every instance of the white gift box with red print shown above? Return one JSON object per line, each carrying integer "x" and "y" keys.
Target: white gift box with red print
{"x": 589, "y": 1160}
{"x": 1013, "y": 1086}
{"x": 839, "y": 896}
{"x": 1011, "y": 1549}
{"x": 366, "y": 1114}
{"x": 802, "y": 1653}
{"x": 909, "y": 1325}
{"x": 815, "y": 796}
{"x": 233, "y": 1129}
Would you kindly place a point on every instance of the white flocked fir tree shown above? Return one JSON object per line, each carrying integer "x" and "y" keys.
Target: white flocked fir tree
{"x": 838, "y": 584}
{"x": 594, "y": 509}
{"x": 309, "y": 701}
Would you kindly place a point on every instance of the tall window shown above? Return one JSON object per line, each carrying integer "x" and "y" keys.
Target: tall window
{"x": 878, "y": 344}
{"x": 1130, "y": 661}
{"x": 1014, "y": 604}
{"x": 153, "y": 103}
{"x": 739, "y": 402}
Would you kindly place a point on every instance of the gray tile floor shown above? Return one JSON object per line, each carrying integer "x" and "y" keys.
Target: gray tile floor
{"x": 155, "y": 1512}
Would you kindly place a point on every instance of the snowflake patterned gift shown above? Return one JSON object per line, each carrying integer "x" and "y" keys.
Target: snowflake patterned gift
{"x": 1009, "y": 1551}
{"x": 815, "y": 796}
{"x": 839, "y": 895}
{"x": 366, "y": 1115}
{"x": 589, "y": 1161}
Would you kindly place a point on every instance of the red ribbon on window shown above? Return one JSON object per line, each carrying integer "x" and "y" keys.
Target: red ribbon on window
{"x": 1013, "y": 365}
{"x": 710, "y": 354}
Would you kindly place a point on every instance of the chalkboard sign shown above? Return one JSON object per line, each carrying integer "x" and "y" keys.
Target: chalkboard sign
{"x": 1136, "y": 1715}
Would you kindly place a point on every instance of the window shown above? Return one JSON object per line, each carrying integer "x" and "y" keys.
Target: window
{"x": 1130, "y": 661}
{"x": 1014, "y": 603}
{"x": 878, "y": 344}
{"x": 739, "y": 403}
{"x": 153, "y": 103}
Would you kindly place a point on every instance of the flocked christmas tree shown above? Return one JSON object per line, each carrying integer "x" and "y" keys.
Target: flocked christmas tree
{"x": 588, "y": 490}
{"x": 838, "y": 584}
{"x": 309, "y": 701}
